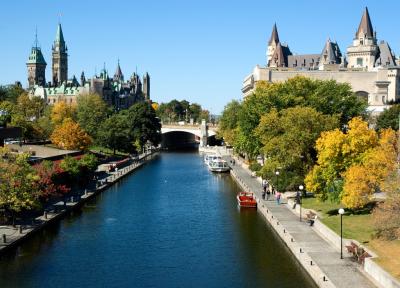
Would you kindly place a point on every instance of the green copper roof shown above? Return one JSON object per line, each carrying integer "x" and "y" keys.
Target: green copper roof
{"x": 59, "y": 35}
{"x": 36, "y": 57}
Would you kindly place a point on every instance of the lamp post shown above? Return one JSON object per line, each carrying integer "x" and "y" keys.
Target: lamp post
{"x": 301, "y": 187}
{"x": 341, "y": 212}
{"x": 277, "y": 175}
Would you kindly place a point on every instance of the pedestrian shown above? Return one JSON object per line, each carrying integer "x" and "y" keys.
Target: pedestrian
{"x": 268, "y": 193}
{"x": 278, "y": 197}
{"x": 273, "y": 190}
{"x": 264, "y": 185}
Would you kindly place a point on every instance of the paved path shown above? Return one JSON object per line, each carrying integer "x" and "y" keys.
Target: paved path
{"x": 342, "y": 273}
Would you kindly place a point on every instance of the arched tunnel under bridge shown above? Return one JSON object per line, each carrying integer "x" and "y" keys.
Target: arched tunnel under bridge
{"x": 179, "y": 140}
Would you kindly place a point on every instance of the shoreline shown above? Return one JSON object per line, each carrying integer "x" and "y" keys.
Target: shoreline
{"x": 20, "y": 235}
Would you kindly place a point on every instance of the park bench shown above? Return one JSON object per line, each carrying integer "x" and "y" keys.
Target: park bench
{"x": 359, "y": 254}
{"x": 311, "y": 217}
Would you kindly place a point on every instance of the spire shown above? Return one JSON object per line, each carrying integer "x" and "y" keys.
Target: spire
{"x": 36, "y": 39}
{"x": 118, "y": 73}
{"x": 365, "y": 28}
{"x": 274, "y": 36}
{"x": 59, "y": 34}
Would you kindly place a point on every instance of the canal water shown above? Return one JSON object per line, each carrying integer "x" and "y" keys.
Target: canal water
{"x": 170, "y": 224}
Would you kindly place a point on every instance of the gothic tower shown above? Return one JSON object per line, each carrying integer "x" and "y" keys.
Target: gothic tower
{"x": 60, "y": 58}
{"x": 363, "y": 52}
{"x": 146, "y": 86}
{"x": 272, "y": 44}
{"x": 36, "y": 66}
{"x": 118, "y": 76}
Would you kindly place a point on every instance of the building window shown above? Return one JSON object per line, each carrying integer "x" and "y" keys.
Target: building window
{"x": 360, "y": 61}
{"x": 361, "y": 41}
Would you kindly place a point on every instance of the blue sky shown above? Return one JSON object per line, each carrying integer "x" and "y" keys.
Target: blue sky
{"x": 194, "y": 50}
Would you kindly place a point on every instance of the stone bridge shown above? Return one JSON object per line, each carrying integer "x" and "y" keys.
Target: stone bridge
{"x": 186, "y": 135}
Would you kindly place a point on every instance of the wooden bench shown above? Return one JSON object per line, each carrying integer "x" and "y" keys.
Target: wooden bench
{"x": 359, "y": 254}
{"x": 311, "y": 217}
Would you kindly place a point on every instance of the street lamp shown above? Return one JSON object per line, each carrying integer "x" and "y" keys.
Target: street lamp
{"x": 301, "y": 187}
{"x": 341, "y": 212}
{"x": 277, "y": 174}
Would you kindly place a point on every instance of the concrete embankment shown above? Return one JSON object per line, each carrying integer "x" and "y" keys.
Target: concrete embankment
{"x": 319, "y": 258}
{"x": 12, "y": 237}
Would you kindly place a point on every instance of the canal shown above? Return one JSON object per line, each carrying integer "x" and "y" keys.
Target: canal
{"x": 170, "y": 224}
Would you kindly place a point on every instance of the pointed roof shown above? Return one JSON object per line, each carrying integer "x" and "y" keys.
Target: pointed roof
{"x": 59, "y": 34}
{"x": 274, "y": 36}
{"x": 331, "y": 53}
{"x": 118, "y": 73}
{"x": 36, "y": 56}
{"x": 365, "y": 27}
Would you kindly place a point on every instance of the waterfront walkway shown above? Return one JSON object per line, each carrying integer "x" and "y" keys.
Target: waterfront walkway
{"x": 11, "y": 236}
{"x": 341, "y": 273}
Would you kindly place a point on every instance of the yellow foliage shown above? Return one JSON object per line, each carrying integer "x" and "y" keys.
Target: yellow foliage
{"x": 69, "y": 135}
{"x": 362, "y": 180}
{"x": 155, "y": 106}
{"x": 62, "y": 111}
{"x": 358, "y": 187}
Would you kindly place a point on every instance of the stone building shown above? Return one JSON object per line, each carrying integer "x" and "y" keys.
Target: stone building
{"x": 114, "y": 90}
{"x": 370, "y": 67}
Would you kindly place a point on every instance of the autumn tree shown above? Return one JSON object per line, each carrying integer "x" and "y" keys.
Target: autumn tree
{"x": 62, "y": 111}
{"x": 352, "y": 166}
{"x": 337, "y": 151}
{"x": 69, "y": 135}
{"x": 47, "y": 186}
{"x": 18, "y": 189}
{"x": 363, "y": 179}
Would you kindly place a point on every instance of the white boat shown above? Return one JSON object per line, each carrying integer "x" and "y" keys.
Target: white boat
{"x": 218, "y": 165}
{"x": 211, "y": 157}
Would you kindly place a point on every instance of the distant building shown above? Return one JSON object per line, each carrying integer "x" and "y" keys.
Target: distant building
{"x": 370, "y": 68}
{"x": 114, "y": 90}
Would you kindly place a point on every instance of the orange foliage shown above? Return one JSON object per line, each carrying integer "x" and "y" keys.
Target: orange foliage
{"x": 69, "y": 135}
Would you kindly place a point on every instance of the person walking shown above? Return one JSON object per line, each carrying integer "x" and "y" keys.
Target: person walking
{"x": 278, "y": 197}
{"x": 268, "y": 192}
{"x": 264, "y": 186}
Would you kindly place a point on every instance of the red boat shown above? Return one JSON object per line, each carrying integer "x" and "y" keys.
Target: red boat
{"x": 246, "y": 200}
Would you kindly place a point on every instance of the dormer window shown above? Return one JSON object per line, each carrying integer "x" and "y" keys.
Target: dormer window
{"x": 361, "y": 41}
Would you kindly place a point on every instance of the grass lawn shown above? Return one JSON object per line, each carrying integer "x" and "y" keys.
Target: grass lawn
{"x": 359, "y": 227}
{"x": 107, "y": 151}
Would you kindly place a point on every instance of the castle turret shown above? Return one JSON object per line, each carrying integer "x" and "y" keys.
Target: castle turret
{"x": 118, "y": 76}
{"x": 36, "y": 66}
{"x": 363, "y": 52}
{"x": 60, "y": 58}
{"x": 272, "y": 44}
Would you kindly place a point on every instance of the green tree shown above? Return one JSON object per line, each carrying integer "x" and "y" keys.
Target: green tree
{"x": 288, "y": 138}
{"x": 194, "y": 112}
{"x": 91, "y": 110}
{"x": 229, "y": 121}
{"x": 389, "y": 118}
{"x": 114, "y": 133}
{"x": 325, "y": 96}
{"x": 143, "y": 124}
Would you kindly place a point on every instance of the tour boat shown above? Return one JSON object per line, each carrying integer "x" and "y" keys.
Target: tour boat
{"x": 218, "y": 165}
{"x": 246, "y": 200}
{"x": 211, "y": 157}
